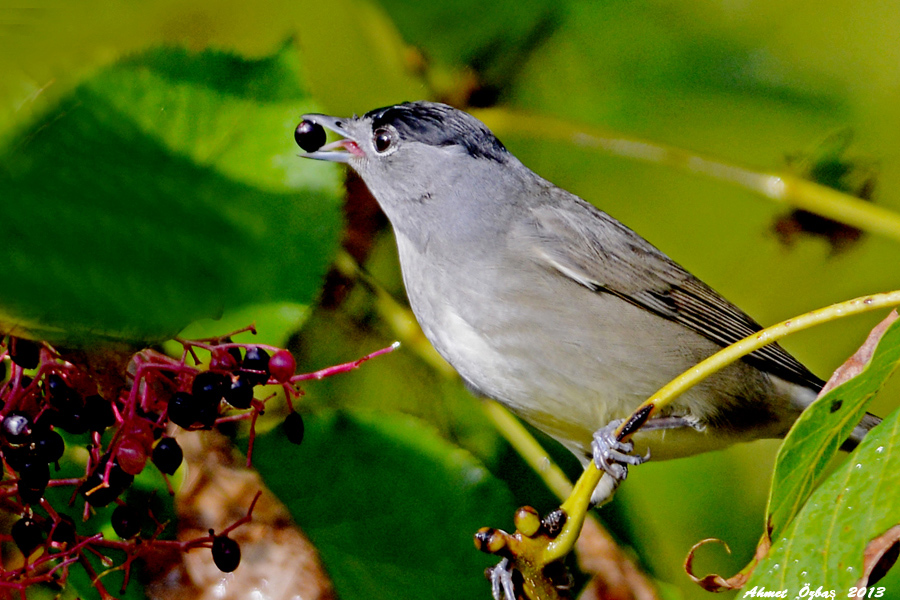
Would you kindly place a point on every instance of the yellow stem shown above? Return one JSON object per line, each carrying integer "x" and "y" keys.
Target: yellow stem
{"x": 667, "y": 394}
{"x": 529, "y": 449}
{"x": 577, "y": 504}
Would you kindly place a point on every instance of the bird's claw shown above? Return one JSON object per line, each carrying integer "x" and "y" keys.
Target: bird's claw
{"x": 501, "y": 577}
{"x": 613, "y": 456}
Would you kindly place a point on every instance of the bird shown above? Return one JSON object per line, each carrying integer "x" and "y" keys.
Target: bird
{"x": 550, "y": 306}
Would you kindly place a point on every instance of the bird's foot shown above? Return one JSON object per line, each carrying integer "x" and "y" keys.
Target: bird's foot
{"x": 501, "y": 576}
{"x": 612, "y": 456}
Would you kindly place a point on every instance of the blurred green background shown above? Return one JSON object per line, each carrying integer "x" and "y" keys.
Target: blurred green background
{"x": 148, "y": 179}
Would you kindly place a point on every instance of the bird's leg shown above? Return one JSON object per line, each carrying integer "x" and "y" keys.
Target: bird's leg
{"x": 613, "y": 456}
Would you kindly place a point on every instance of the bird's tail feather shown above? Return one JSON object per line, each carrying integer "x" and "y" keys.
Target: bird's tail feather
{"x": 859, "y": 432}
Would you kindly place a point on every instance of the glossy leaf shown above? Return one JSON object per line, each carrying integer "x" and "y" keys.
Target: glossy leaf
{"x": 816, "y": 437}
{"x": 163, "y": 190}
{"x": 824, "y": 545}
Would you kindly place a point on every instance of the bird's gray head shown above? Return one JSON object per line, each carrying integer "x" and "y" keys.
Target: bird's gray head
{"x": 407, "y": 153}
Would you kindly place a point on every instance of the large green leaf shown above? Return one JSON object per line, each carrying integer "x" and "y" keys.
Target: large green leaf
{"x": 164, "y": 189}
{"x": 817, "y": 435}
{"x": 390, "y": 507}
{"x": 824, "y": 545}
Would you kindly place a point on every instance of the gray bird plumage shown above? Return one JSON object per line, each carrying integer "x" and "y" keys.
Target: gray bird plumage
{"x": 549, "y": 305}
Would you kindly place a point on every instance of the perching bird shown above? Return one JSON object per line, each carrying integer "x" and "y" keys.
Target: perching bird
{"x": 550, "y": 306}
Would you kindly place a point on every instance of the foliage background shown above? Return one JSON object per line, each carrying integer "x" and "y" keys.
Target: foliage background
{"x": 148, "y": 179}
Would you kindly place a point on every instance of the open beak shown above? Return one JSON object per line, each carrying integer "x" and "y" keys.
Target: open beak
{"x": 338, "y": 151}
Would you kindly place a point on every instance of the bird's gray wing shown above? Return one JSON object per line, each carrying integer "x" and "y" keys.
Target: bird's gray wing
{"x": 589, "y": 246}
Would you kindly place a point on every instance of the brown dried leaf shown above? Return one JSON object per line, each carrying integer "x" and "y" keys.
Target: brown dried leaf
{"x": 855, "y": 365}
{"x": 879, "y": 556}
{"x": 277, "y": 561}
{"x": 717, "y": 583}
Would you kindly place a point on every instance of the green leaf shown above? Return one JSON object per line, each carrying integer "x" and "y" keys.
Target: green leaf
{"x": 164, "y": 190}
{"x": 824, "y": 544}
{"x": 819, "y": 432}
{"x": 390, "y": 507}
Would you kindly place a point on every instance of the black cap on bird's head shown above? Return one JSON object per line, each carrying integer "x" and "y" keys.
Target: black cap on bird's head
{"x": 440, "y": 125}
{"x": 429, "y": 123}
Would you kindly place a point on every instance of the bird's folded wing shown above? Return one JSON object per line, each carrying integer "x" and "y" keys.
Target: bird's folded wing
{"x": 590, "y": 247}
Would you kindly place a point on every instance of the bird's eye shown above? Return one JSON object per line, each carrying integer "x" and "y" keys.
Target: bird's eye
{"x": 383, "y": 139}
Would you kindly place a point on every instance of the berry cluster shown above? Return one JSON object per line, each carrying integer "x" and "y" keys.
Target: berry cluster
{"x": 123, "y": 422}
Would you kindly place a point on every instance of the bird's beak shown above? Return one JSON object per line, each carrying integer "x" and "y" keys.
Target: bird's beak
{"x": 338, "y": 151}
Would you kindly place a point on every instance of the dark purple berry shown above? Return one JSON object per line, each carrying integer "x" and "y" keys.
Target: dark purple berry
{"x": 183, "y": 410}
{"x": 17, "y": 456}
{"x": 209, "y": 386}
{"x": 35, "y": 473}
{"x": 27, "y": 535}
{"x": 99, "y": 413}
{"x": 294, "y": 428}
{"x": 256, "y": 365}
{"x": 226, "y": 553}
{"x": 126, "y": 521}
{"x": 98, "y": 495}
{"x": 73, "y": 420}
{"x": 2, "y": 370}
{"x": 240, "y": 393}
{"x": 28, "y": 493}
{"x": 17, "y": 428}
{"x": 235, "y": 353}
{"x": 63, "y": 532}
{"x": 167, "y": 455}
{"x": 25, "y": 353}
{"x": 59, "y": 393}
{"x": 49, "y": 445}
{"x": 208, "y": 415}
{"x": 309, "y": 136}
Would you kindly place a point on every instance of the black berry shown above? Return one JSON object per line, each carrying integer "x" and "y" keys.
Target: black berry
{"x": 294, "y": 428}
{"x": 25, "y": 353}
{"x": 17, "y": 456}
{"x": 64, "y": 532}
{"x": 240, "y": 393}
{"x": 96, "y": 493}
{"x": 255, "y": 366}
{"x": 309, "y": 136}
{"x": 74, "y": 420}
{"x": 98, "y": 413}
{"x": 126, "y": 521}
{"x": 167, "y": 455}
{"x": 226, "y": 553}
{"x": 35, "y": 473}
{"x": 183, "y": 410}
{"x": 209, "y": 386}
{"x": 58, "y": 391}
{"x": 28, "y": 493}
{"x": 49, "y": 445}
{"x": 235, "y": 353}
{"x": 27, "y": 535}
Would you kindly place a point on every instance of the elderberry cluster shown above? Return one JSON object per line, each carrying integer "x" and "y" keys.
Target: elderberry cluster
{"x": 123, "y": 423}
